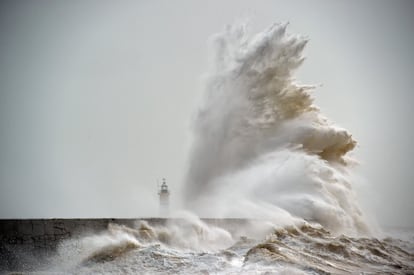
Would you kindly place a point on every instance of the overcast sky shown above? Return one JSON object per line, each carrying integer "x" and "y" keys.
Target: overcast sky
{"x": 97, "y": 97}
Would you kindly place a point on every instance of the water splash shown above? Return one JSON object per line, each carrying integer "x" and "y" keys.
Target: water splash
{"x": 262, "y": 148}
{"x": 191, "y": 246}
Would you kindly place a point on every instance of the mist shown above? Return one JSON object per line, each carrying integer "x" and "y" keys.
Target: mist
{"x": 98, "y": 98}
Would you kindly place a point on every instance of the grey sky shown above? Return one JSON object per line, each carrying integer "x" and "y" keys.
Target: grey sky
{"x": 96, "y": 97}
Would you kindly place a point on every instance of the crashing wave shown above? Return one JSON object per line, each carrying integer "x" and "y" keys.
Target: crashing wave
{"x": 262, "y": 148}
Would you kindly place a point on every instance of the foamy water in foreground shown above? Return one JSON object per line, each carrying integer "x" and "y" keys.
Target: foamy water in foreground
{"x": 189, "y": 246}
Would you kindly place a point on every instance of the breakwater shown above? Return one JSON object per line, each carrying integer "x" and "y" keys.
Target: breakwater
{"x": 25, "y": 242}
{"x": 46, "y": 233}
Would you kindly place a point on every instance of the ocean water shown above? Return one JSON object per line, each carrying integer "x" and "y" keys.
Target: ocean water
{"x": 190, "y": 246}
{"x": 265, "y": 153}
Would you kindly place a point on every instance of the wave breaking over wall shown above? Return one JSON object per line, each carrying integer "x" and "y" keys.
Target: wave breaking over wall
{"x": 262, "y": 148}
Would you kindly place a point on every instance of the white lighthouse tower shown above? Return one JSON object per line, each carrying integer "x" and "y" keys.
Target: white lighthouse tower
{"x": 164, "y": 194}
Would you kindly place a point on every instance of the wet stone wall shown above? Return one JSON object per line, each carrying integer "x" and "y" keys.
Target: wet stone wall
{"x": 25, "y": 242}
{"x": 46, "y": 233}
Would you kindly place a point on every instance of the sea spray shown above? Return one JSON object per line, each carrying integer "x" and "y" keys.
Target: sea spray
{"x": 185, "y": 232}
{"x": 191, "y": 246}
{"x": 262, "y": 148}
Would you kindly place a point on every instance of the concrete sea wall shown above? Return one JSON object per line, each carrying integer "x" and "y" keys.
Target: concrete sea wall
{"x": 25, "y": 243}
{"x": 46, "y": 233}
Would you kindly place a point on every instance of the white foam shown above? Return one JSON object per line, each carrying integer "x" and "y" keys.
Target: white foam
{"x": 262, "y": 149}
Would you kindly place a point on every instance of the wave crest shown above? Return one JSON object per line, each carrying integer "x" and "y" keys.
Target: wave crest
{"x": 261, "y": 146}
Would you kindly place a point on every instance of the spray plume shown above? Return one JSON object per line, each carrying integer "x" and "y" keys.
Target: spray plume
{"x": 262, "y": 148}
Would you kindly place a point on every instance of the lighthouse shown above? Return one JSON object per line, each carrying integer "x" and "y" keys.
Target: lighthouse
{"x": 164, "y": 194}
